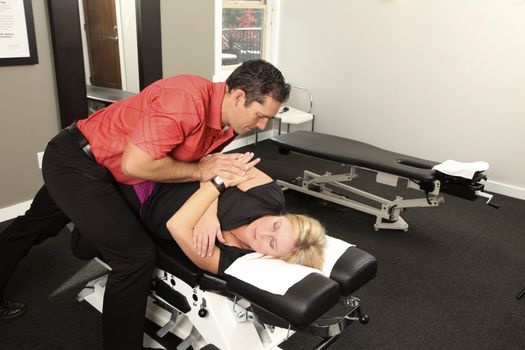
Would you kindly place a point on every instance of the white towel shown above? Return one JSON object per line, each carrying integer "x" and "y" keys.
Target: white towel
{"x": 465, "y": 170}
{"x": 277, "y": 276}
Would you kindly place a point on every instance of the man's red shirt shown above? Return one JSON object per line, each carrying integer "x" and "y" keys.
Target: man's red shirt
{"x": 178, "y": 117}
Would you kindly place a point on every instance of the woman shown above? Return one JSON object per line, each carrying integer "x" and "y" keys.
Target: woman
{"x": 250, "y": 215}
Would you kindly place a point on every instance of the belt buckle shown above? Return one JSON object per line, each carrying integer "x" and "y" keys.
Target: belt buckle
{"x": 87, "y": 150}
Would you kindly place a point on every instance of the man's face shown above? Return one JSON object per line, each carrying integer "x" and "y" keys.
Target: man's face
{"x": 244, "y": 119}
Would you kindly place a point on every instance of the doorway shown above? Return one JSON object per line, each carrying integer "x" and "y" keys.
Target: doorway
{"x": 102, "y": 38}
{"x": 65, "y": 19}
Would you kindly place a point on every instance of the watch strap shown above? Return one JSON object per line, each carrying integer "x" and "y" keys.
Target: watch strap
{"x": 218, "y": 182}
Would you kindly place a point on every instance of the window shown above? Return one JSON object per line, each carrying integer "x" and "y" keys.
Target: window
{"x": 246, "y": 32}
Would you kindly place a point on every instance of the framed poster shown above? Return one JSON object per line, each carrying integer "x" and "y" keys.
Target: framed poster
{"x": 17, "y": 33}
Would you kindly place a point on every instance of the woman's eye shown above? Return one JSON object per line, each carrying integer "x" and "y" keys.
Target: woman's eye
{"x": 272, "y": 244}
{"x": 276, "y": 225}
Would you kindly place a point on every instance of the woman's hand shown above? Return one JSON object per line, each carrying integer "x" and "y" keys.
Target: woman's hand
{"x": 206, "y": 230}
{"x": 246, "y": 164}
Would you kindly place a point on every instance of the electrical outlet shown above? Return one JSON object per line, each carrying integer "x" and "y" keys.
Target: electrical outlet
{"x": 39, "y": 157}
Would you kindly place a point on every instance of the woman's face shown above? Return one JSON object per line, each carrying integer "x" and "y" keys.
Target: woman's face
{"x": 271, "y": 235}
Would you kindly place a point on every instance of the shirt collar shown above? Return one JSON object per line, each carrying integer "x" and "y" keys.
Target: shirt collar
{"x": 216, "y": 97}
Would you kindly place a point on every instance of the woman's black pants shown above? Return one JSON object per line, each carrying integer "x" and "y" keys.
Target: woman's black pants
{"x": 86, "y": 193}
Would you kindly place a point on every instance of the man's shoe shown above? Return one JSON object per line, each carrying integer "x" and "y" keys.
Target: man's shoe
{"x": 9, "y": 309}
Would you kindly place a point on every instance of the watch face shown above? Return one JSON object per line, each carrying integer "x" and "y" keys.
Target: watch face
{"x": 218, "y": 180}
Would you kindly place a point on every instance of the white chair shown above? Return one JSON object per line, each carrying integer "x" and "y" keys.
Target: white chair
{"x": 294, "y": 116}
{"x": 290, "y": 115}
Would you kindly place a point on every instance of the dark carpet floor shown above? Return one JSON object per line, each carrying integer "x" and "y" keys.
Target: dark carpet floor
{"x": 448, "y": 283}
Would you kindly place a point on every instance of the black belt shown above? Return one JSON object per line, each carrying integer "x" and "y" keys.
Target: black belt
{"x": 82, "y": 141}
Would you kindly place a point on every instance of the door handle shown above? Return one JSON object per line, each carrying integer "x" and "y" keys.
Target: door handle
{"x": 114, "y": 38}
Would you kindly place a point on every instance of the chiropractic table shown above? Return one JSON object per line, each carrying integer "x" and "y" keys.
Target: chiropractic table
{"x": 208, "y": 311}
{"x": 388, "y": 166}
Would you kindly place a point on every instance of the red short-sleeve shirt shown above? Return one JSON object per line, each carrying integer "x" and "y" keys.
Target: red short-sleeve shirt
{"x": 178, "y": 117}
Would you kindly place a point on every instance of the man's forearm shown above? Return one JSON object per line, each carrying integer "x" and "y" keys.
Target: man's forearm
{"x": 140, "y": 165}
{"x": 168, "y": 169}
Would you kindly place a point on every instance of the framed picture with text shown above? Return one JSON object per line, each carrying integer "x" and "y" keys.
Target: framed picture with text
{"x": 17, "y": 33}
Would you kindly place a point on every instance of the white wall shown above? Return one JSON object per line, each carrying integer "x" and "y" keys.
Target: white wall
{"x": 437, "y": 79}
{"x": 129, "y": 59}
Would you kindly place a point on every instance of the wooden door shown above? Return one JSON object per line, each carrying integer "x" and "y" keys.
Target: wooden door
{"x": 102, "y": 37}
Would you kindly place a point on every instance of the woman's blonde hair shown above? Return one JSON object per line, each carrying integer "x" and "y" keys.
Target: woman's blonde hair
{"x": 310, "y": 241}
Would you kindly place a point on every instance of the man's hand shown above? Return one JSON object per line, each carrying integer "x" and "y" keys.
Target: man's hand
{"x": 204, "y": 234}
{"x": 226, "y": 165}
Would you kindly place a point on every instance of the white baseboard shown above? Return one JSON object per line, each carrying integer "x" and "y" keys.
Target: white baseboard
{"x": 506, "y": 190}
{"x": 13, "y": 211}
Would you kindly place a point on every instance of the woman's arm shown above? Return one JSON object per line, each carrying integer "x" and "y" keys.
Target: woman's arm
{"x": 208, "y": 228}
{"x": 182, "y": 223}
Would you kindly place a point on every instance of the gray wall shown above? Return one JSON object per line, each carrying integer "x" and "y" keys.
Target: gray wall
{"x": 188, "y": 37}
{"x": 434, "y": 79}
{"x": 29, "y": 116}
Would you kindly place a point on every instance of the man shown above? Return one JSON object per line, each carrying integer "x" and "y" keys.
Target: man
{"x": 162, "y": 134}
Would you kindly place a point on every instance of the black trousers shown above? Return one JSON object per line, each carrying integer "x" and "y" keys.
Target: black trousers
{"x": 42, "y": 221}
{"x": 85, "y": 192}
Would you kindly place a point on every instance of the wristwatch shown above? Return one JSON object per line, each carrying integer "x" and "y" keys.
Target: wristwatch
{"x": 218, "y": 182}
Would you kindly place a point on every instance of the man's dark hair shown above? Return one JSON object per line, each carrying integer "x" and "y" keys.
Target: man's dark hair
{"x": 258, "y": 79}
